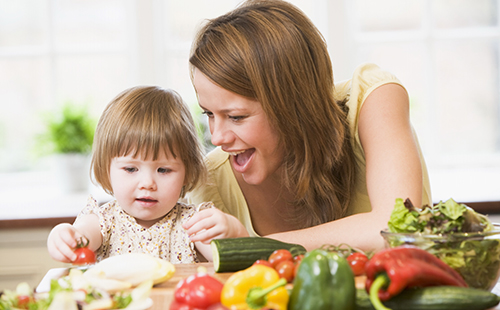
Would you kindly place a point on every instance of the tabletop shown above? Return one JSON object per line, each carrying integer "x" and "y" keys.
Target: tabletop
{"x": 163, "y": 293}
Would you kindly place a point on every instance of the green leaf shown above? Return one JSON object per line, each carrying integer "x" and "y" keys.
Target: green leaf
{"x": 452, "y": 209}
{"x": 402, "y": 219}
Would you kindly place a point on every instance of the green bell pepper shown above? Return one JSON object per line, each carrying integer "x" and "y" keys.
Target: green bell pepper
{"x": 324, "y": 280}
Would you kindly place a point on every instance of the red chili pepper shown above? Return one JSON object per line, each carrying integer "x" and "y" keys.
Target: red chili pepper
{"x": 405, "y": 267}
{"x": 197, "y": 292}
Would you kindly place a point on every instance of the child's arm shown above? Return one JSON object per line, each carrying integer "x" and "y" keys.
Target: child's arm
{"x": 63, "y": 238}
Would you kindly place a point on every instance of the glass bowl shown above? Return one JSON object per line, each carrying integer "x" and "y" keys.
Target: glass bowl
{"x": 476, "y": 256}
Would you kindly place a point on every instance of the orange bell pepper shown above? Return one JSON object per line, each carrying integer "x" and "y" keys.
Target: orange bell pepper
{"x": 256, "y": 287}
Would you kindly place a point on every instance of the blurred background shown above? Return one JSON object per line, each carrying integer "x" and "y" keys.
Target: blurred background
{"x": 55, "y": 53}
{"x": 62, "y": 61}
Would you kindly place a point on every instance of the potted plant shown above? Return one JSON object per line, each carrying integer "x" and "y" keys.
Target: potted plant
{"x": 68, "y": 135}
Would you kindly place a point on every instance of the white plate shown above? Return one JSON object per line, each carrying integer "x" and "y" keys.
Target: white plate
{"x": 143, "y": 306}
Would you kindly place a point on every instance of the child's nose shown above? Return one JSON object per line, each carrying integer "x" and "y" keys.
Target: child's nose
{"x": 147, "y": 182}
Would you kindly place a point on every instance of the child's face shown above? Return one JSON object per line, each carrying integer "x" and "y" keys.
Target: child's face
{"x": 147, "y": 189}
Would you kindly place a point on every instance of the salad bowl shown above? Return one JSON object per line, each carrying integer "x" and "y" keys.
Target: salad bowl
{"x": 475, "y": 255}
{"x": 458, "y": 235}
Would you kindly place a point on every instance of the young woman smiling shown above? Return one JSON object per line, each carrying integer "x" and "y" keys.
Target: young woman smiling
{"x": 299, "y": 158}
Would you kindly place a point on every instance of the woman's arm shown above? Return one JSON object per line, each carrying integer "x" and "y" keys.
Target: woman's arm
{"x": 393, "y": 170}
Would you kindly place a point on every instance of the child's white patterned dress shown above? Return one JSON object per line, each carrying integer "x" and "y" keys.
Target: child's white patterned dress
{"x": 166, "y": 239}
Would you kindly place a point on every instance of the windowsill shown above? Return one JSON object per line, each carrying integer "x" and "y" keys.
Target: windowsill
{"x": 35, "y": 195}
{"x": 465, "y": 184}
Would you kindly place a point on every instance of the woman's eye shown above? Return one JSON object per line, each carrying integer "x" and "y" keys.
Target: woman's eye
{"x": 164, "y": 170}
{"x": 208, "y": 113}
{"x": 236, "y": 118}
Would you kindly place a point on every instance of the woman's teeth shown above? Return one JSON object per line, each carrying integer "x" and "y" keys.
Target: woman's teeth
{"x": 235, "y": 153}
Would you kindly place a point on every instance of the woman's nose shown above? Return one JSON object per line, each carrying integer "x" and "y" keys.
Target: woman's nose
{"x": 220, "y": 134}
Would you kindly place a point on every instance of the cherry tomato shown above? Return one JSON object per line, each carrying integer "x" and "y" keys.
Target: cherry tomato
{"x": 296, "y": 269}
{"x": 263, "y": 262}
{"x": 23, "y": 301}
{"x": 279, "y": 256}
{"x": 285, "y": 270}
{"x": 357, "y": 261}
{"x": 84, "y": 255}
{"x": 298, "y": 258}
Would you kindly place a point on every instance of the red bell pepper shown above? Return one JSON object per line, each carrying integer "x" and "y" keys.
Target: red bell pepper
{"x": 404, "y": 267}
{"x": 197, "y": 292}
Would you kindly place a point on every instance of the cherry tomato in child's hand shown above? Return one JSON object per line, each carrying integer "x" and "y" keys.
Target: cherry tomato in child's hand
{"x": 84, "y": 255}
{"x": 357, "y": 261}
{"x": 279, "y": 256}
{"x": 286, "y": 270}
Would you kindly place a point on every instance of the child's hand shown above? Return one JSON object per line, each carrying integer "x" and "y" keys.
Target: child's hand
{"x": 62, "y": 242}
{"x": 211, "y": 224}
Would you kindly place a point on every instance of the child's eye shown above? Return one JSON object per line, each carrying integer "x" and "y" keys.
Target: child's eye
{"x": 164, "y": 170}
{"x": 130, "y": 169}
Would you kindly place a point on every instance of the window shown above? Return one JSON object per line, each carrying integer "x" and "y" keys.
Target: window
{"x": 444, "y": 51}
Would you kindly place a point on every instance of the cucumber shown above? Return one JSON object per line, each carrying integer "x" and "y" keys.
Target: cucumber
{"x": 234, "y": 254}
{"x": 434, "y": 298}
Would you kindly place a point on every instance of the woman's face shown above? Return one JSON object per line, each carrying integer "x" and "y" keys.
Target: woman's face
{"x": 241, "y": 128}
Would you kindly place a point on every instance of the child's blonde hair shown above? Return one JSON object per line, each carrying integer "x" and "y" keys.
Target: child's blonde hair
{"x": 143, "y": 121}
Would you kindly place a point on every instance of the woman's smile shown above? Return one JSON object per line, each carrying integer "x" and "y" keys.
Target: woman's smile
{"x": 241, "y": 160}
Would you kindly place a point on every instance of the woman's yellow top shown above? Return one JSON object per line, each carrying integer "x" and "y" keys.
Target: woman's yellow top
{"x": 223, "y": 189}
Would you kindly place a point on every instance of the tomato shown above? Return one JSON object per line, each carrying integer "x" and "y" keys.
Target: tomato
{"x": 296, "y": 269}
{"x": 279, "y": 256}
{"x": 263, "y": 262}
{"x": 285, "y": 270}
{"x": 23, "y": 301}
{"x": 298, "y": 258}
{"x": 357, "y": 261}
{"x": 84, "y": 255}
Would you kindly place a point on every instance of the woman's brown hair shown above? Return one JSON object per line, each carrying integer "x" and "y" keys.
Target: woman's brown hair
{"x": 270, "y": 51}
{"x": 144, "y": 121}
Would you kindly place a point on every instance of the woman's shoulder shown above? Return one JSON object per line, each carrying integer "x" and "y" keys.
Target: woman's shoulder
{"x": 364, "y": 80}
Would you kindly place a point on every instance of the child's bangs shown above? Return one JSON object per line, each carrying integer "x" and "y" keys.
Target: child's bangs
{"x": 146, "y": 144}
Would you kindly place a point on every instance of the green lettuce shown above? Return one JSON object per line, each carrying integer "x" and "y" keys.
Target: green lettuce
{"x": 476, "y": 259}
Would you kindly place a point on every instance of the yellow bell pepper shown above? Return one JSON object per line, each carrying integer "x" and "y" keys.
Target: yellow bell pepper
{"x": 256, "y": 287}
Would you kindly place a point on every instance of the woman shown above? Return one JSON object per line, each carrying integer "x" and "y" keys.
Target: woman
{"x": 298, "y": 159}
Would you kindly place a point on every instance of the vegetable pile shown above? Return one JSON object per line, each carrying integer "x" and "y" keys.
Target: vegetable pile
{"x": 118, "y": 282}
{"x": 403, "y": 277}
{"x": 461, "y": 238}
{"x": 74, "y": 292}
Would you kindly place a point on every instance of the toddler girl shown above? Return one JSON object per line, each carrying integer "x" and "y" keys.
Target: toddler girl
{"x": 147, "y": 155}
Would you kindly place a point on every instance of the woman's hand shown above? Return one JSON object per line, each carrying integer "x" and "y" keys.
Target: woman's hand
{"x": 62, "y": 242}
{"x": 211, "y": 224}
